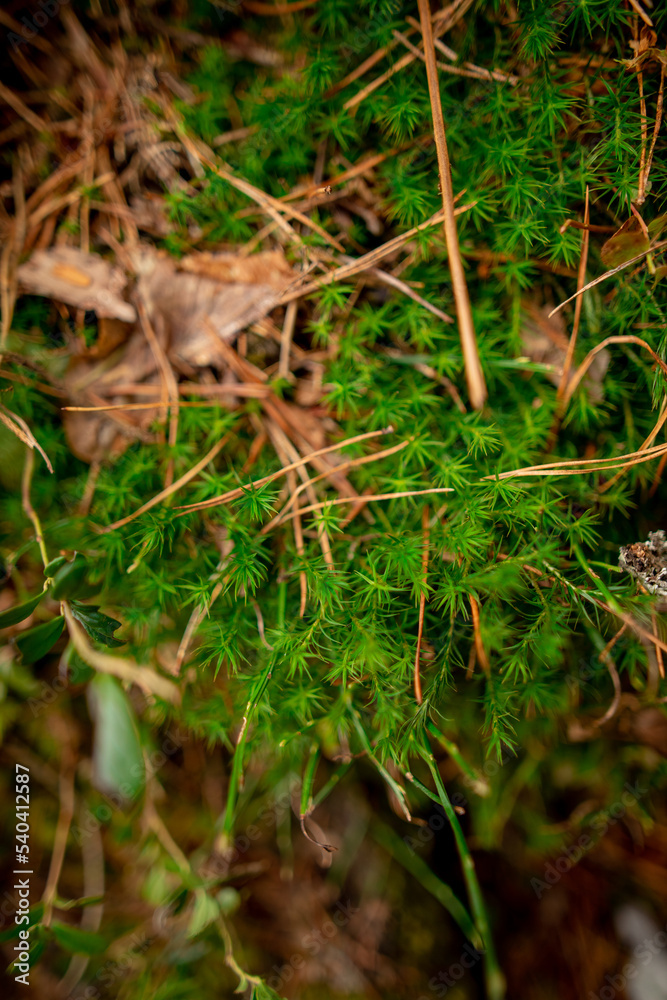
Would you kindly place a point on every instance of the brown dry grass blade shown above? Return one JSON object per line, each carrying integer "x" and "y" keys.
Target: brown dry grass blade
{"x": 18, "y": 426}
{"x": 608, "y": 274}
{"x": 473, "y": 369}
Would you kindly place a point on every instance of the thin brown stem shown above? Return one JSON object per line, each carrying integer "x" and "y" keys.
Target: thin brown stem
{"x": 66, "y": 787}
{"x": 473, "y": 369}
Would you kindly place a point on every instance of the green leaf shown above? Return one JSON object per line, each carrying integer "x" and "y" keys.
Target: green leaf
{"x": 34, "y": 916}
{"x": 36, "y": 642}
{"x": 19, "y": 612}
{"x": 204, "y": 912}
{"x": 69, "y": 578}
{"x": 261, "y": 991}
{"x": 77, "y": 941}
{"x": 98, "y": 626}
{"x": 55, "y": 564}
{"x": 117, "y": 757}
{"x": 75, "y": 904}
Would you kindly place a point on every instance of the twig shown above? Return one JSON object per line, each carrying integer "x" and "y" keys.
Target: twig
{"x": 605, "y": 658}
{"x": 376, "y": 496}
{"x": 368, "y": 261}
{"x": 351, "y": 463}
{"x": 66, "y": 791}
{"x": 567, "y": 363}
{"x": 173, "y": 488}
{"x": 643, "y": 446}
{"x": 284, "y": 447}
{"x": 473, "y": 369}
{"x": 574, "y": 468}
{"x": 636, "y": 6}
{"x": 581, "y": 278}
{"x": 170, "y": 387}
{"x": 627, "y": 338}
{"x": 656, "y": 131}
{"x": 30, "y": 511}
{"x": 18, "y": 426}
{"x": 443, "y": 20}
{"x": 92, "y": 855}
{"x": 608, "y": 274}
{"x": 658, "y": 651}
{"x": 298, "y": 542}
{"x": 236, "y": 493}
{"x": 277, "y": 9}
{"x": 286, "y": 340}
{"x": 479, "y": 645}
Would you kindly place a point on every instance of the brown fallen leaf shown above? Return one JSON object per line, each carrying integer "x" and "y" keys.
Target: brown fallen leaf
{"x": 221, "y": 289}
{"x": 91, "y": 379}
{"x": 84, "y": 280}
{"x": 190, "y": 304}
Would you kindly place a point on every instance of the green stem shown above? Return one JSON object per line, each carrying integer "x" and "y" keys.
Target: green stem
{"x": 308, "y": 780}
{"x": 394, "y": 785}
{"x": 419, "y": 870}
{"x": 600, "y": 584}
{"x": 328, "y": 788}
{"x": 478, "y": 784}
{"x": 495, "y": 981}
{"x": 237, "y": 765}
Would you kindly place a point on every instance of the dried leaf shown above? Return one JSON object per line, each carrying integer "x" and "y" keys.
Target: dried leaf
{"x": 223, "y": 290}
{"x": 625, "y": 244}
{"x": 84, "y": 280}
{"x": 18, "y": 426}
{"x": 267, "y": 268}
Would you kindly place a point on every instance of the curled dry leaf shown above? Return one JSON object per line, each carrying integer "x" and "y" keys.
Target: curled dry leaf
{"x": 84, "y": 280}
{"x": 218, "y": 290}
{"x": 188, "y": 304}
{"x": 104, "y": 376}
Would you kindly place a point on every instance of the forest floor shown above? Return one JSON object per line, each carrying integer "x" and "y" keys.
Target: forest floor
{"x": 332, "y": 409}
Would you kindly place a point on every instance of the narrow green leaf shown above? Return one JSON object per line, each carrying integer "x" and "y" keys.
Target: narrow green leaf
{"x": 419, "y": 869}
{"x": 69, "y": 578}
{"x": 37, "y": 641}
{"x": 54, "y": 565}
{"x": 35, "y": 914}
{"x": 19, "y": 612}
{"x": 77, "y": 941}
{"x": 205, "y": 911}
{"x": 117, "y": 757}
{"x": 75, "y": 904}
